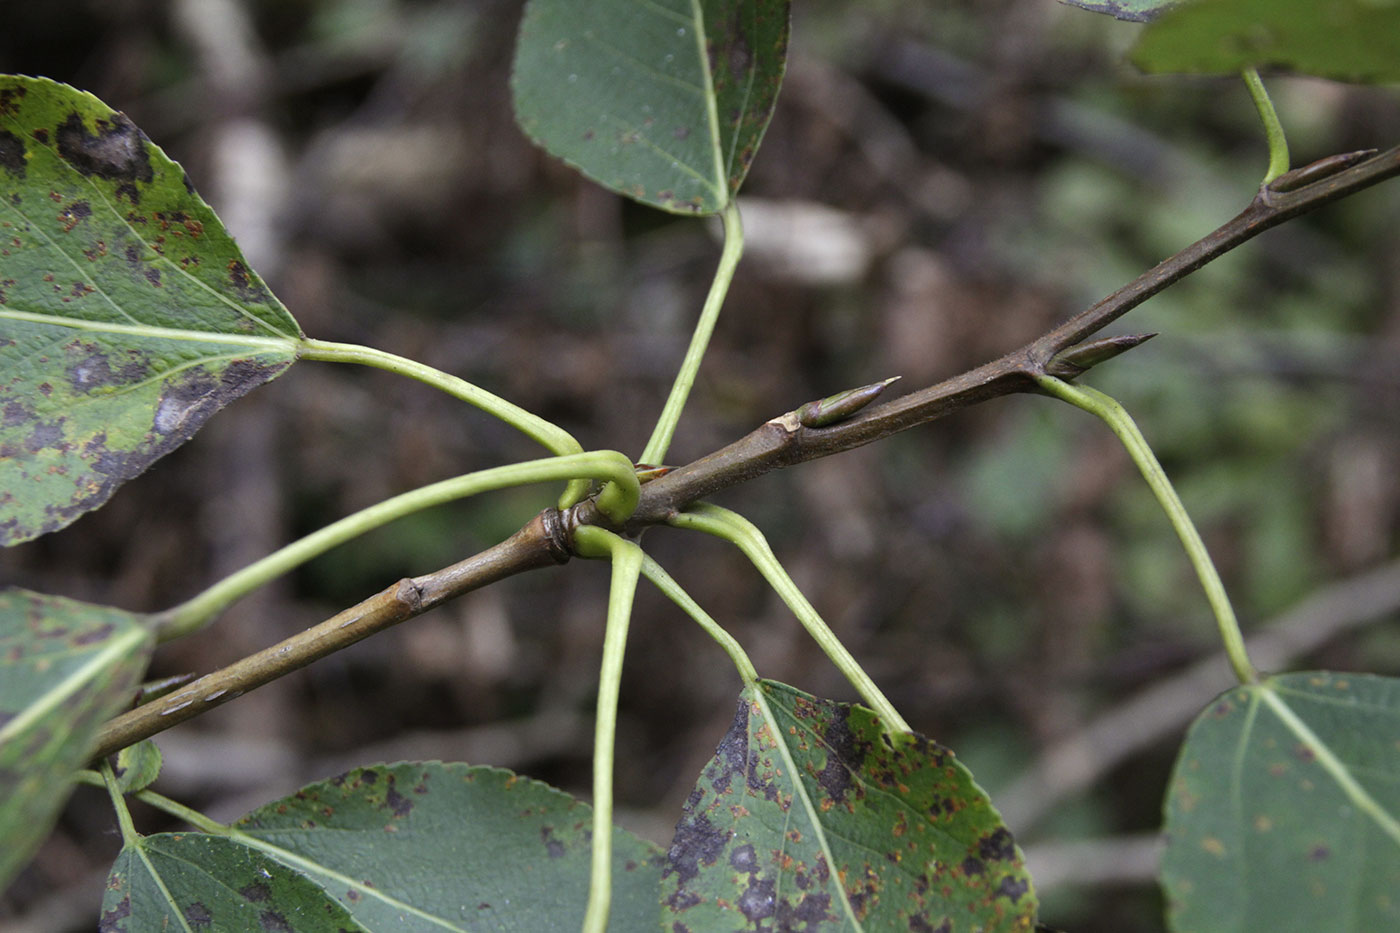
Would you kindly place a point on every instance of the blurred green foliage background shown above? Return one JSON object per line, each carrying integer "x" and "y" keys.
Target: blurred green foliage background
{"x": 942, "y": 181}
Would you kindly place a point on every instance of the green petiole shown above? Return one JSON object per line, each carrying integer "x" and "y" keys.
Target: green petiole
{"x": 739, "y": 531}
{"x": 626, "y": 557}
{"x": 549, "y": 435}
{"x": 1121, "y": 423}
{"x": 660, "y": 441}
{"x": 1273, "y": 128}
{"x": 617, "y": 500}
{"x": 673, "y": 591}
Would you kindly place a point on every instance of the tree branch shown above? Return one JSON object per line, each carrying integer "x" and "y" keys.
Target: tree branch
{"x": 541, "y": 543}
{"x": 783, "y": 441}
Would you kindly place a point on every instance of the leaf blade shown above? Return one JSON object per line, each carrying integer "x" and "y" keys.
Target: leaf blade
{"x": 878, "y": 832}
{"x": 127, "y": 314}
{"x": 454, "y": 846}
{"x": 65, "y": 668}
{"x": 194, "y": 881}
{"x": 1345, "y": 40}
{"x": 664, "y": 101}
{"x": 1284, "y": 808}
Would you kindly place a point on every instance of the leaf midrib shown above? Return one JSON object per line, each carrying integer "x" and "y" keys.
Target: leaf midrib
{"x": 151, "y": 331}
{"x": 813, "y": 815}
{"x": 1333, "y": 765}
{"x": 711, "y": 103}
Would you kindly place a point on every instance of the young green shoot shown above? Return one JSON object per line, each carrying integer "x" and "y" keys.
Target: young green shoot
{"x": 1273, "y": 129}
{"x": 660, "y": 441}
{"x": 733, "y": 527}
{"x": 617, "y": 500}
{"x": 549, "y": 435}
{"x": 626, "y": 557}
{"x": 1121, "y": 423}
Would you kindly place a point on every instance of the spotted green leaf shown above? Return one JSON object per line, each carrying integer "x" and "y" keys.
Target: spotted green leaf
{"x": 1139, "y": 11}
{"x": 127, "y": 314}
{"x": 811, "y": 817}
{"x": 65, "y": 667}
{"x": 193, "y": 881}
{"x": 1348, "y": 40}
{"x": 664, "y": 101}
{"x": 1283, "y": 811}
{"x": 433, "y": 846}
{"x": 138, "y": 766}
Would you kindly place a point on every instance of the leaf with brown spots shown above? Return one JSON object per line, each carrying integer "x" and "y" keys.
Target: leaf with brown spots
{"x": 1283, "y": 811}
{"x": 454, "y": 847}
{"x": 65, "y": 668}
{"x": 127, "y": 314}
{"x": 811, "y": 817}
{"x": 664, "y": 101}
{"x": 199, "y": 882}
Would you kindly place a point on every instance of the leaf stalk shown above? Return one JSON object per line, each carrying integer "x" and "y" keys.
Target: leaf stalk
{"x": 660, "y": 442}
{"x": 1121, "y": 423}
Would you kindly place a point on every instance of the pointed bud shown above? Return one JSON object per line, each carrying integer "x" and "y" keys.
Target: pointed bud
{"x": 840, "y": 406}
{"x": 1316, "y": 171}
{"x": 1075, "y": 360}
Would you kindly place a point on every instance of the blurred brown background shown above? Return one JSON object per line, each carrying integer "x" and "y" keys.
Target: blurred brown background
{"x": 941, "y": 182}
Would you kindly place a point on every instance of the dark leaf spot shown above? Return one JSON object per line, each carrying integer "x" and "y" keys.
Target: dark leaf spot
{"x": 697, "y": 842}
{"x": 257, "y": 891}
{"x": 9, "y": 100}
{"x": 12, "y": 153}
{"x": 732, "y": 752}
{"x": 835, "y": 777}
{"x": 246, "y": 284}
{"x": 1319, "y": 853}
{"x": 153, "y": 276}
{"x": 197, "y": 915}
{"x": 972, "y": 866}
{"x": 117, "y": 152}
{"x": 1012, "y": 888}
{"x": 273, "y": 921}
{"x": 553, "y": 846}
{"x": 74, "y": 214}
{"x": 45, "y": 435}
{"x": 401, "y": 805}
{"x": 16, "y": 412}
{"x": 757, "y": 901}
{"x": 920, "y": 925}
{"x": 111, "y": 920}
{"x": 744, "y": 859}
{"x": 93, "y": 635}
{"x": 811, "y": 910}
{"x": 999, "y": 845}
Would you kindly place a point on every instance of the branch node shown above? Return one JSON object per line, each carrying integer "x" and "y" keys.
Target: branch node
{"x": 409, "y": 595}
{"x": 557, "y": 534}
